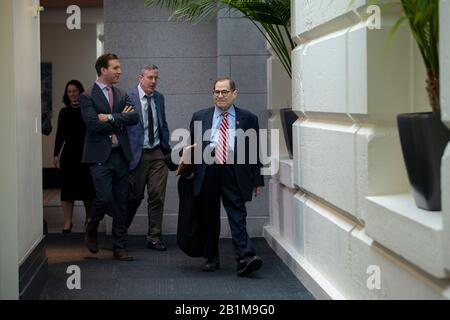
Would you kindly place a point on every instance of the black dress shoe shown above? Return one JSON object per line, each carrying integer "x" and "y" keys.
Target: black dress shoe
{"x": 122, "y": 255}
{"x": 68, "y": 230}
{"x": 91, "y": 239}
{"x": 248, "y": 265}
{"x": 156, "y": 245}
{"x": 211, "y": 265}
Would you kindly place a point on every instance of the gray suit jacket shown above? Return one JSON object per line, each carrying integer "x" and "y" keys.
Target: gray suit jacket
{"x": 136, "y": 132}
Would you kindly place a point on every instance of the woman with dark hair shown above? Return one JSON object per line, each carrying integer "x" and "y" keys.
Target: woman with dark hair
{"x": 76, "y": 179}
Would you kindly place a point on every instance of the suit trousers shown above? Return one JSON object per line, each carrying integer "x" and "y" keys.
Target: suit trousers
{"x": 111, "y": 187}
{"x": 152, "y": 172}
{"x": 220, "y": 183}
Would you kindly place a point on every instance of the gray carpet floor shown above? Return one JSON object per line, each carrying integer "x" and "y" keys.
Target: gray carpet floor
{"x": 169, "y": 275}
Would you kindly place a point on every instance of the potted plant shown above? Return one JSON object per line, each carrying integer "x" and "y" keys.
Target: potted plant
{"x": 271, "y": 17}
{"x": 423, "y": 136}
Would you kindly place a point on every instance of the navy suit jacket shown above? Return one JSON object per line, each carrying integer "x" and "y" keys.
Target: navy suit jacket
{"x": 136, "y": 132}
{"x": 248, "y": 175}
{"x": 97, "y": 143}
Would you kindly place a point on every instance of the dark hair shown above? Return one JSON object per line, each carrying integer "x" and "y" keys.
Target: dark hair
{"x": 231, "y": 81}
{"x": 77, "y": 84}
{"x": 103, "y": 62}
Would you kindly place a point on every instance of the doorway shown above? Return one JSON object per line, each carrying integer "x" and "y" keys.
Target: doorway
{"x": 71, "y": 40}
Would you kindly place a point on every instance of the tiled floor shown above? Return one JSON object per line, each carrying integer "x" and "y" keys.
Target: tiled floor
{"x": 163, "y": 275}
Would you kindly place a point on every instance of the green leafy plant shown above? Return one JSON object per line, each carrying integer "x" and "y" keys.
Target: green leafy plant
{"x": 271, "y": 17}
{"x": 423, "y": 19}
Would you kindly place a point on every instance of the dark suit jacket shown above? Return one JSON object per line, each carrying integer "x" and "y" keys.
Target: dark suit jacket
{"x": 136, "y": 132}
{"x": 248, "y": 175}
{"x": 191, "y": 228}
{"x": 97, "y": 145}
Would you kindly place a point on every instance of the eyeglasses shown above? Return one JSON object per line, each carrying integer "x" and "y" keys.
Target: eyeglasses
{"x": 223, "y": 92}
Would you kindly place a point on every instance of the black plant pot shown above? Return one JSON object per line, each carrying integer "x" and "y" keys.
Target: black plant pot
{"x": 288, "y": 117}
{"x": 424, "y": 138}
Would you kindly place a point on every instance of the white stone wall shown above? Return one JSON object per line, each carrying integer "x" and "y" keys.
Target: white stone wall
{"x": 20, "y": 140}
{"x": 9, "y": 252}
{"x": 445, "y": 100}
{"x": 347, "y": 206}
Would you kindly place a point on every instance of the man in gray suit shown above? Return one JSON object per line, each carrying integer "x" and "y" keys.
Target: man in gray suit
{"x": 149, "y": 141}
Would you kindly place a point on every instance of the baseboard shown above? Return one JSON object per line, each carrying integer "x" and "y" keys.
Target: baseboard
{"x": 33, "y": 273}
{"x": 320, "y": 288}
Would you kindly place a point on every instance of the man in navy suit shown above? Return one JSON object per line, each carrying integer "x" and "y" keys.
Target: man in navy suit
{"x": 232, "y": 177}
{"x": 106, "y": 111}
{"x": 149, "y": 140}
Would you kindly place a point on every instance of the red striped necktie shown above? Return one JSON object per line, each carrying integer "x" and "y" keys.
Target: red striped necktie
{"x": 222, "y": 145}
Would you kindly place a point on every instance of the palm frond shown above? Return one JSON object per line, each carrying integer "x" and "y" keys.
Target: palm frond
{"x": 271, "y": 17}
{"x": 169, "y": 4}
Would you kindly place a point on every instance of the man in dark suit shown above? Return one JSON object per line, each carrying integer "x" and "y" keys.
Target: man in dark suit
{"x": 233, "y": 177}
{"x": 149, "y": 140}
{"x": 106, "y": 111}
